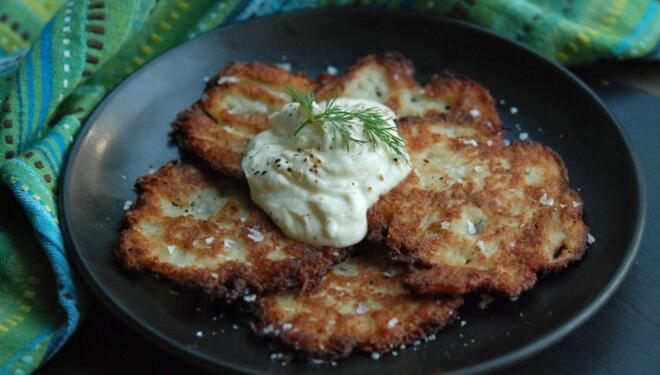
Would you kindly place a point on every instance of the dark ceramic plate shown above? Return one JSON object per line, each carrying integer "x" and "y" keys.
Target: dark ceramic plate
{"x": 128, "y": 134}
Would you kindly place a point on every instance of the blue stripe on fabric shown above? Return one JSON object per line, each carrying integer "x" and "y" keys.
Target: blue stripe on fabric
{"x": 646, "y": 21}
{"x": 27, "y": 348}
{"x": 29, "y": 79}
{"x": 46, "y": 72}
{"x": 48, "y": 152}
{"x": 59, "y": 141}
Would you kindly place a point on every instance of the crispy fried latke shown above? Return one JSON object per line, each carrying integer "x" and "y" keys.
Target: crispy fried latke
{"x": 475, "y": 213}
{"x": 236, "y": 104}
{"x": 234, "y": 108}
{"x": 203, "y": 231}
{"x": 360, "y": 306}
{"x": 390, "y": 80}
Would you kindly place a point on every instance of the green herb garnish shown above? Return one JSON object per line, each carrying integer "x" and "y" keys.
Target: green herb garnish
{"x": 375, "y": 125}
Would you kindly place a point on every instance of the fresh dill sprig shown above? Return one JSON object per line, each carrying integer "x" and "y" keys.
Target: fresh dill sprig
{"x": 375, "y": 126}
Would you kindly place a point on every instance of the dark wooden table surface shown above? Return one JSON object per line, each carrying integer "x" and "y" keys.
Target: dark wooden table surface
{"x": 623, "y": 338}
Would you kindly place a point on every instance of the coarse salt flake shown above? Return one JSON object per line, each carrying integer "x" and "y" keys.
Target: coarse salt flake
{"x": 171, "y": 248}
{"x": 228, "y": 243}
{"x": 250, "y": 298}
{"x": 471, "y": 228}
{"x": 287, "y": 326}
{"x": 523, "y": 136}
{"x": 286, "y": 66}
{"x": 392, "y": 323}
{"x": 474, "y": 112}
{"x": 546, "y": 201}
{"x": 375, "y": 356}
{"x": 591, "y": 239}
{"x": 362, "y": 308}
{"x": 127, "y": 205}
{"x": 199, "y": 334}
{"x": 470, "y": 142}
{"x": 228, "y": 79}
{"x": 513, "y": 110}
{"x": 445, "y": 225}
{"x": 209, "y": 240}
{"x": 332, "y": 70}
{"x": 255, "y": 235}
{"x": 478, "y": 168}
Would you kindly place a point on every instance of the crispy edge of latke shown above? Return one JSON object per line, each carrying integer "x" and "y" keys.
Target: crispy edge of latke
{"x": 234, "y": 279}
{"x": 302, "y": 347}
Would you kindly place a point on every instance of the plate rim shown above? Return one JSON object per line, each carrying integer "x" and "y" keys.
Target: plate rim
{"x": 212, "y": 363}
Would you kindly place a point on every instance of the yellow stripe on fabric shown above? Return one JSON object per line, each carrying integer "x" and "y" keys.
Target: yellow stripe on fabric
{"x": 10, "y": 41}
{"x": 37, "y": 7}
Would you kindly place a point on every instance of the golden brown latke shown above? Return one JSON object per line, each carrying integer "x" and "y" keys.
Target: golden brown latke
{"x": 203, "y": 231}
{"x": 475, "y": 213}
{"x": 236, "y": 104}
{"x": 234, "y": 108}
{"x": 390, "y": 80}
{"x": 360, "y": 306}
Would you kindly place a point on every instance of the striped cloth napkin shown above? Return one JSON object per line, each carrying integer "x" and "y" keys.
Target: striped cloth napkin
{"x": 59, "y": 59}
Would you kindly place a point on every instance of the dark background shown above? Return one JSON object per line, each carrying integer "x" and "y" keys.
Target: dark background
{"x": 624, "y": 337}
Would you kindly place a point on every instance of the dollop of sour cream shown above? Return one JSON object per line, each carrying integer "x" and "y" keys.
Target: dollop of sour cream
{"x": 313, "y": 188}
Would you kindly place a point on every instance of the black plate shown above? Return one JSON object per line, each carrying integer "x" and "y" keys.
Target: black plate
{"x": 128, "y": 134}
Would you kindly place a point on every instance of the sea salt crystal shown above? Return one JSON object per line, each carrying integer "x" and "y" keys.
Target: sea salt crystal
{"x": 209, "y": 240}
{"x": 199, "y": 334}
{"x": 463, "y": 323}
{"x": 287, "y": 326}
{"x": 392, "y": 323}
{"x": 375, "y": 356}
{"x": 486, "y": 299}
{"x": 255, "y": 235}
{"x": 331, "y": 70}
{"x": 474, "y": 112}
{"x": 234, "y": 326}
{"x": 546, "y": 201}
{"x": 576, "y": 204}
{"x": 445, "y": 225}
{"x": 507, "y": 142}
{"x": 123, "y": 177}
{"x": 478, "y": 168}
{"x": 470, "y": 142}
{"x": 250, "y": 298}
{"x": 229, "y": 243}
{"x": 127, "y": 205}
{"x": 171, "y": 248}
{"x": 513, "y": 110}
{"x": 268, "y": 329}
{"x": 471, "y": 228}
{"x": 489, "y": 142}
{"x": 228, "y": 79}
{"x": 390, "y": 273}
{"x": 362, "y": 308}
{"x": 286, "y": 66}
{"x": 591, "y": 239}
{"x": 523, "y": 136}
